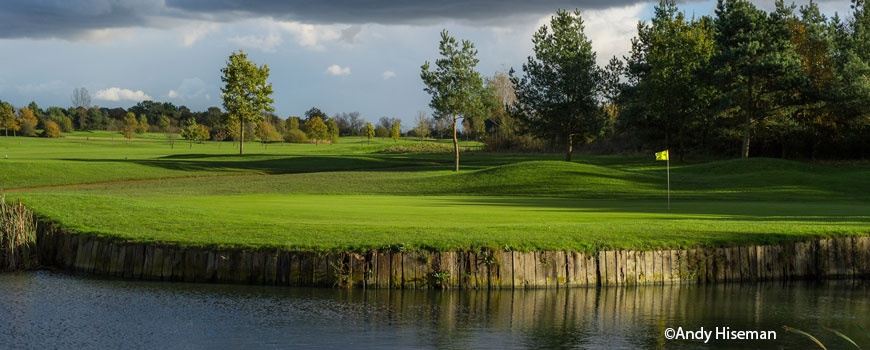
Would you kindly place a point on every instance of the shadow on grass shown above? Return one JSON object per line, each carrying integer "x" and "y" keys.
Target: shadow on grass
{"x": 270, "y": 165}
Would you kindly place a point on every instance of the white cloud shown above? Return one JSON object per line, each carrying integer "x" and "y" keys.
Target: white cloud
{"x": 190, "y": 88}
{"x": 264, "y": 43}
{"x": 48, "y": 86}
{"x": 312, "y": 36}
{"x": 104, "y": 36}
{"x": 116, "y": 94}
{"x": 611, "y": 30}
{"x": 338, "y": 70}
{"x": 388, "y": 74}
{"x": 191, "y": 34}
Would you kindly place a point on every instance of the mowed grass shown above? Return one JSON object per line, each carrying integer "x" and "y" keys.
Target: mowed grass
{"x": 349, "y": 196}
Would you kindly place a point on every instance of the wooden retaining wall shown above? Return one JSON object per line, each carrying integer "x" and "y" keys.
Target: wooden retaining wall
{"x": 847, "y": 257}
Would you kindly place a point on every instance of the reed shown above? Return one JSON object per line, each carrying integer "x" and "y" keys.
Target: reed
{"x": 17, "y": 236}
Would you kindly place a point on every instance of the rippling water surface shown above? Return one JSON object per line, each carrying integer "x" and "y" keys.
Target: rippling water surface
{"x": 55, "y": 310}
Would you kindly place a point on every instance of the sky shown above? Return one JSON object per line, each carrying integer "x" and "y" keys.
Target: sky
{"x": 339, "y": 56}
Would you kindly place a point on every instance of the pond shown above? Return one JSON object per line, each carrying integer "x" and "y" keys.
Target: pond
{"x": 47, "y": 309}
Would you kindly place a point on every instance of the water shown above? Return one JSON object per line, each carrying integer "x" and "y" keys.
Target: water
{"x": 47, "y": 309}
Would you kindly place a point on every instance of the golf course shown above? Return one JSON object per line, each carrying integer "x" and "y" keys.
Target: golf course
{"x": 361, "y": 195}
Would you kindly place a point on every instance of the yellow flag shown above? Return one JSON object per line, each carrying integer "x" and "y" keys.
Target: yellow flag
{"x": 663, "y": 155}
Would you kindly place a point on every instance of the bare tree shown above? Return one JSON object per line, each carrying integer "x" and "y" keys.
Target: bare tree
{"x": 504, "y": 88}
{"x": 422, "y": 129}
{"x": 81, "y": 98}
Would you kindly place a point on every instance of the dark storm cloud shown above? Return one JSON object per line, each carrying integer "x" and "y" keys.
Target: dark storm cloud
{"x": 70, "y": 19}
{"x": 390, "y": 11}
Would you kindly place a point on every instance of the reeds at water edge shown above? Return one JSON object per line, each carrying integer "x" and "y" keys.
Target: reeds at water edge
{"x": 17, "y": 236}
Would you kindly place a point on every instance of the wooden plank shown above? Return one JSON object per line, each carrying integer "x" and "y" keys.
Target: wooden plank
{"x": 138, "y": 260}
{"x": 148, "y": 262}
{"x": 505, "y": 270}
{"x": 156, "y": 271}
{"x": 561, "y": 265}
{"x": 396, "y": 270}
{"x": 270, "y": 272}
{"x": 178, "y": 264}
{"x": 258, "y": 266}
{"x": 862, "y": 250}
{"x": 676, "y": 260}
{"x": 168, "y": 257}
{"x": 630, "y": 276}
{"x": 383, "y": 270}
{"x": 591, "y": 270}
{"x": 602, "y": 259}
{"x": 530, "y": 262}
{"x": 658, "y": 264}
{"x": 519, "y": 271}
{"x": 409, "y": 273}
{"x": 667, "y": 266}
{"x": 210, "y": 266}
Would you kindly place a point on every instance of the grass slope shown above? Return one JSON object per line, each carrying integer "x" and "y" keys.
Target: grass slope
{"x": 351, "y": 196}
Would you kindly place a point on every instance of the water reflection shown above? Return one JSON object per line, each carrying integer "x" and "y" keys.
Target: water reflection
{"x": 53, "y": 310}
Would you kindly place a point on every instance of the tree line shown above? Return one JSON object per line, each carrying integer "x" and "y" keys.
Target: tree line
{"x": 789, "y": 83}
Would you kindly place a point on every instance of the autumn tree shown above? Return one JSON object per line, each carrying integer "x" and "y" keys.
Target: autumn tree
{"x": 455, "y": 85}
{"x": 316, "y": 129}
{"x": 130, "y": 126}
{"x": 332, "y": 130}
{"x": 396, "y": 131}
{"x": 245, "y": 93}
{"x": 370, "y": 131}
{"x": 7, "y": 117}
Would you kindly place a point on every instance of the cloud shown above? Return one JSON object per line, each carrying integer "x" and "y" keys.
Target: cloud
{"x": 191, "y": 34}
{"x": 611, "y": 30}
{"x": 116, "y": 94}
{"x": 311, "y": 36}
{"x": 266, "y": 43}
{"x": 190, "y": 88}
{"x": 48, "y": 86}
{"x": 388, "y": 74}
{"x": 338, "y": 70}
{"x": 74, "y": 19}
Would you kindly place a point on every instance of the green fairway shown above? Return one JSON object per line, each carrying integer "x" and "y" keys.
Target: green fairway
{"x": 351, "y": 196}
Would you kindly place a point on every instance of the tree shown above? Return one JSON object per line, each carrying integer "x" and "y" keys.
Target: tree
{"x": 26, "y": 122}
{"x": 163, "y": 123}
{"x": 370, "y": 131}
{"x": 755, "y": 63}
{"x": 194, "y": 132}
{"x": 422, "y": 128}
{"x": 665, "y": 61}
{"x": 454, "y": 85}
{"x": 316, "y": 129}
{"x": 267, "y": 133}
{"x": 556, "y": 95}
{"x": 245, "y": 92}
{"x": 131, "y": 125}
{"x": 382, "y": 132}
{"x": 81, "y": 98}
{"x": 395, "y": 131}
{"x": 7, "y": 117}
{"x": 51, "y": 130}
{"x": 292, "y": 123}
{"x": 315, "y": 112}
{"x": 143, "y": 125}
{"x": 332, "y": 130}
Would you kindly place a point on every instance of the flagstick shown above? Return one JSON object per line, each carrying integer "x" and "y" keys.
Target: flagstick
{"x": 669, "y": 181}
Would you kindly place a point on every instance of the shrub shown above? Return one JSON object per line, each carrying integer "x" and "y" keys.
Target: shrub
{"x": 27, "y": 128}
{"x": 295, "y": 136}
{"x": 51, "y": 130}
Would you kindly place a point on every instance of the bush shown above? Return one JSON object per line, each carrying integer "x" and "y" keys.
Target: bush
{"x": 28, "y": 128}
{"x": 51, "y": 130}
{"x": 295, "y": 136}
{"x": 65, "y": 124}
